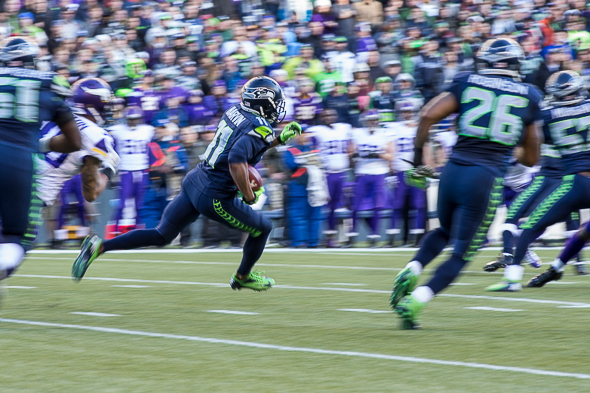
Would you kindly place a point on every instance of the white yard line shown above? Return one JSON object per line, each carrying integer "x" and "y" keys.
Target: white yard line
{"x": 391, "y": 269}
{"x": 353, "y": 251}
{"x": 233, "y": 312}
{"x": 130, "y": 286}
{"x": 358, "y": 290}
{"x": 319, "y": 351}
{"x": 366, "y": 310}
{"x": 492, "y": 309}
{"x": 95, "y": 314}
{"x": 19, "y": 287}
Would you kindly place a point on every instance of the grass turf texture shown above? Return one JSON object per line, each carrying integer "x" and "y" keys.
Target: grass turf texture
{"x": 61, "y": 359}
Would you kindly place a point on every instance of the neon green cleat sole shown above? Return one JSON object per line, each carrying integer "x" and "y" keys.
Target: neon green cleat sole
{"x": 404, "y": 283}
{"x": 255, "y": 281}
{"x": 408, "y": 309}
{"x": 505, "y": 286}
{"x": 88, "y": 253}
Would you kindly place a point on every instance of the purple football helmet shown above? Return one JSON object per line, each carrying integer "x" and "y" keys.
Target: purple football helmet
{"x": 134, "y": 115}
{"x": 92, "y": 97}
{"x": 370, "y": 118}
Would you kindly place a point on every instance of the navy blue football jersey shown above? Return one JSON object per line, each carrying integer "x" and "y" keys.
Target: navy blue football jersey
{"x": 493, "y": 114}
{"x": 551, "y": 165}
{"x": 567, "y": 127}
{"x": 27, "y": 99}
{"x": 241, "y": 137}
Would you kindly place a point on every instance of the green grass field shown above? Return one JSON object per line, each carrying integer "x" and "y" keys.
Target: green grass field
{"x": 164, "y": 337}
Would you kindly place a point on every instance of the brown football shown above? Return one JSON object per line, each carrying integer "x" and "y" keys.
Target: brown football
{"x": 255, "y": 178}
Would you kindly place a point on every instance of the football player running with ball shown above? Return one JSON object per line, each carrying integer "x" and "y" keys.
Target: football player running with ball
{"x": 243, "y": 135}
{"x": 496, "y": 113}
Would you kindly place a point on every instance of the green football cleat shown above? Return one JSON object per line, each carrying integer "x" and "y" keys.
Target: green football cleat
{"x": 255, "y": 281}
{"x": 408, "y": 309}
{"x": 89, "y": 251}
{"x": 505, "y": 286}
{"x": 404, "y": 283}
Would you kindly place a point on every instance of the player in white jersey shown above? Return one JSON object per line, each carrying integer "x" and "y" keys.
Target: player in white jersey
{"x": 131, "y": 142}
{"x": 372, "y": 152}
{"x": 333, "y": 141}
{"x": 405, "y": 197}
{"x": 97, "y": 160}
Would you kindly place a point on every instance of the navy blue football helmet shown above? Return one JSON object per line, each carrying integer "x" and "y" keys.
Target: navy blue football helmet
{"x": 19, "y": 53}
{"x": 500, "y": 56}
{"x": 566, "y": 87}
{"x": 92, "y": 97}
{"x": 264, "y": 96}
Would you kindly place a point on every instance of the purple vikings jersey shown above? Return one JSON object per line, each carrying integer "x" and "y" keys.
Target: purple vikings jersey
{"x": 198, "y": 114}
{"x": 148, "y": 101}
{"x": 307, "y": 108}
{"x": 493, "y": 114}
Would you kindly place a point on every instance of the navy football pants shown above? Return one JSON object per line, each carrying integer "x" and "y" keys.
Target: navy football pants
{"x": 468, "y": 196}
{"x": 16, "y": 175}
{"x": 185, "y": 208}
{"x": 571, "y": 195}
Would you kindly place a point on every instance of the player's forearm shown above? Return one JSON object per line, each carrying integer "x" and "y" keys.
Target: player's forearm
{"x": 275, "y": 143}
{"x": 239, "y": 172}
{"x": 93, "y": 182}
{"x": 69, "y": 141}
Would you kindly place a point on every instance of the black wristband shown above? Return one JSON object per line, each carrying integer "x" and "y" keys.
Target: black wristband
{"x": 417, "y": 156}
{"x": 109, "y": 173}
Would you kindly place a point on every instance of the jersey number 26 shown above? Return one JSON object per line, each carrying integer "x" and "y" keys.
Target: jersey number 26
{"x": 503, "y": 127}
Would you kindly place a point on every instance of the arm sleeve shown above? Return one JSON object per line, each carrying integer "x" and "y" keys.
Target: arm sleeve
{"x": 245, "y": 149}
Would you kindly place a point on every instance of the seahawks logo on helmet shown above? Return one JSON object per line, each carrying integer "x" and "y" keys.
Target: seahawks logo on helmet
{"x": 500, "y": 56}
{"x": 263, "y": 95}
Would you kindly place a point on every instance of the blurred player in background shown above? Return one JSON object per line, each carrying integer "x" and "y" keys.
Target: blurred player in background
{"x": 96, "y": 162}
{"x": 308, "y": 104}
{"x": 243, "y": 135}
{"x": 566, "y": 125}
{"x": 406, "y": 197}
{"x": 306, "y": 191}
{"x": 131, "y": 141}
{"x": 471, "y": 182}
{"x": 372, "y": 155}
{"x": 29, "y": 98}
{"x": 334, "y": 144}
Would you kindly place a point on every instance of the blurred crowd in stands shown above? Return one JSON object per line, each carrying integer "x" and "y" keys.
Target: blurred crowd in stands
{"x": 355, "y": 75}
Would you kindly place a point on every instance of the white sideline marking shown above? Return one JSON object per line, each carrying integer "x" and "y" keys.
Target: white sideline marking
{"x": 390, "y": 269}
{"x": 130, "y": 286}
{"x": 220, "y": 285}
{"x": 365, "y": 310}
{"x": 493, "y": 309}
{"x": 303, "y": 349}
{"x": 371, "y": 251}
{"x": 19, "y": 287}
{"x": 345, "y": 284}
{"x": 233, "y": 312}
{"x": 461, "y": 283}
{"x": 95, "y": 314}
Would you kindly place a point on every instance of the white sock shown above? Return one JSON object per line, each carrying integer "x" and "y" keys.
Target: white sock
{"x": 415, "y": 267}
{"x": 558, "y": 265}
{"x": 423, "y": 294}
{"x": 11, "y": 255}
{"x": 513, "y": 272}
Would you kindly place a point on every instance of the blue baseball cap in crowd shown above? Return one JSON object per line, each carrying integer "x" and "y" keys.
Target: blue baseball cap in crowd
{"x": 161, "y": 122}
{"x": 26, "y": 15}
